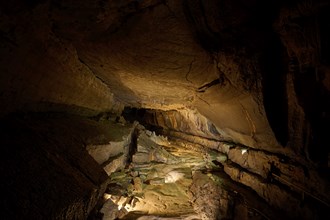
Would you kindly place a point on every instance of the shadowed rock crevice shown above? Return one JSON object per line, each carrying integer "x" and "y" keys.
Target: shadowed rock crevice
{"x": 208, "y": 85}
{"x": 274, "y": 69}
{"x": 311, "y": 98}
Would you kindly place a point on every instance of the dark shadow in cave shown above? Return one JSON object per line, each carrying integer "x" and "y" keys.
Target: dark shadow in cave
{"x": 314, "y": 99}
{"x": 133, "y": 114}
{"x": 274, "y": 88}
{"x": 132, "y": 147}
{"x": 141, "y": 115}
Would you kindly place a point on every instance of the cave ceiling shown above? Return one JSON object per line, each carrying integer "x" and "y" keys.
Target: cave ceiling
{"x": 228, "y": 60}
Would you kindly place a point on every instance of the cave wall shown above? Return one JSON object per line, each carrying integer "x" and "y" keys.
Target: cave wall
{"x": 301, "y": 28}
{"x": 41, "y": 71}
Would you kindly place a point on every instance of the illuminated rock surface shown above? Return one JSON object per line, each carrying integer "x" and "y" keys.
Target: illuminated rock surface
{"x": 175, "y": 180}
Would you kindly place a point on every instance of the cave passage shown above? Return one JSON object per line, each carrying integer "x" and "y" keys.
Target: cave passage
{"x": 154, "y": 109}
{"x": 170, "y": 178}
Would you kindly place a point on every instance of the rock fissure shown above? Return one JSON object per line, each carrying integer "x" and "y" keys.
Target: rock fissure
{"x": 96, "y": 76}
{"x": 190, "y": 67}
{"x": 250, "y": 121}
{"x": 208, "y": 85}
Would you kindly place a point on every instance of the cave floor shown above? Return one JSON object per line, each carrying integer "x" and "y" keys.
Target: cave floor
{"x": 248, "y": 205}
{"x": 178, "y": 181}
{"x": 163, "y": 179}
